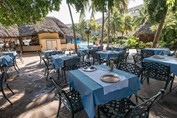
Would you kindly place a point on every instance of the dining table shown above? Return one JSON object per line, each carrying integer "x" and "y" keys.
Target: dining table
{"x": 57, "y": 60}
{"x": 95, "y": 91}
{"x": 159, "y": 51}
{"x": 10, "y": 53}
{"x": 6, "y": 60}
{"x": 108, "y": 54}
{"x": 166, "y": 60}
{"x": 48, "y": 53}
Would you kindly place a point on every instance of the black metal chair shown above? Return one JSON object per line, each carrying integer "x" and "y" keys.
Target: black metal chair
{"x": 48, "y": 68}
{"x": 137, "y": 58}
{"x": 125, "y": 108}
{"x": 13, "y": 64}
{"x": 40, "y": 56}
{"x": 120, "y": 58}
{"x": 131, "y": 68}
{"x": 69, "y": 97}
{"x": 70, "y": 64}
{"x": 157, "y": 71}
{"x": 4, "y": 82}
{"x": 19, "y": 56}
{"x": 147, "y": 53}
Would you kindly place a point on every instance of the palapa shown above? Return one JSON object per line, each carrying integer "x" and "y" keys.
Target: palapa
{"x": 47, "y": 25}
{"x": 144, "y": 29}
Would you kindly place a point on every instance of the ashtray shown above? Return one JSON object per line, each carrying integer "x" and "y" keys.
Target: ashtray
{"x": 158, "y": 57}
{"x": 89, "y": 69}
{"x": 110, "y": 78}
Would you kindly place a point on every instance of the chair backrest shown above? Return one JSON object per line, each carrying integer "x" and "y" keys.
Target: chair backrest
{"x": 147, "y": 53}
{"x": 62, "y": 94}
{"x": 137, "y": 58}
{"x": 130, "y": 67}
{"x": 142, "y": 110}
{"x": 156, "y": 71}
{"x": 71, "y": 64}
{"x": 120, "y": 58}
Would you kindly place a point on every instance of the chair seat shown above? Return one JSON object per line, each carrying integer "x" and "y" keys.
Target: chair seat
{"x": 75, "y": 100}
{"x": 116, "y": 108}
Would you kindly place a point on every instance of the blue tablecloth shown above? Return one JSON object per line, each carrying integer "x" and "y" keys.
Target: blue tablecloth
{"x": 57, "y": 60}
{"x": 119, "y": 48}
{"x": 6, "y": 60}
{"x": 167, "y": 60}
{"x": 10, "y": 53}
{"x": 92, "y": 93}
{"x": 82, "y": 51}
{"x": 108, "y": 54}
{"x": 50, "y": 52}
{"x": 159, "y": 51}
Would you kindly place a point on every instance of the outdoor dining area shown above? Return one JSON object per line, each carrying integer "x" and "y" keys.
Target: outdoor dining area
{"x": 107, "y": 83}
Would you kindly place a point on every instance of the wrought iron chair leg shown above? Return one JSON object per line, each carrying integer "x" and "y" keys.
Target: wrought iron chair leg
{"x": 171, "y": 85}
{"x": 47, "y": 75}
{"x": 10, "y": 89}
{"x": 5, "y": 95}
{"x": 16, "y": 69}
{"x": 72, "y": 114}
{"x": 59, "y": 107}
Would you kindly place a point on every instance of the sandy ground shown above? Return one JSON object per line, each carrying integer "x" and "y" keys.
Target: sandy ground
{"x": 34, "y": 96}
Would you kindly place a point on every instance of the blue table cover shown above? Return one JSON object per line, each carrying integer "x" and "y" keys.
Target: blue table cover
{"x": 10, "y": 53}
{"x": 58, "y": 60}
{"x": 82, "y": 51}
{"x": 167, "y": 60}
{"x": 159, "y": 51}
{"x": 119, "y": 48}
{"x": 92, "y": 93}
{"x": 6, "y": 60}
{"x": 108, "y": 54}
{"x": 48, "y": 52}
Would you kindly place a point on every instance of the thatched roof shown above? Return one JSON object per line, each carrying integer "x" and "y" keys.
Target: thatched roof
{"x": 9, "y": 32}
{"x": 144, "y": 29}
{"x": 68, "y": 32}
{"x": 47, "y": 25}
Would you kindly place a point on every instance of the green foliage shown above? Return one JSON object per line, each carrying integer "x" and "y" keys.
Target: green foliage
{"x": 25, "y": 11}
{"x": 156, "y": 9}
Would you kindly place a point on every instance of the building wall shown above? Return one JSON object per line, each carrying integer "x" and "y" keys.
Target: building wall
{"x": 48, "y": 36}
{"x": 44, "y": 37}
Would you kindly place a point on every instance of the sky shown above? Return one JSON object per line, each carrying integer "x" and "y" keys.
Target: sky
{"x": 64, "y": 16}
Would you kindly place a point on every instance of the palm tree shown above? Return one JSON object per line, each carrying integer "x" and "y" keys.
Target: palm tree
{"x": 157, "y": 11}
{"x": 121, "y": 5}
{"x": 79, "y": 6}
{"x": 128, "y": 23}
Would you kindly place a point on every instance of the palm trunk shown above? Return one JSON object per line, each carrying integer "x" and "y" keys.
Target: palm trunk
{"x": 159, "y": 31}
{"x": 108, "y": 28}
{"x": 74, "y": 33}
{"x": 102, "y": 30}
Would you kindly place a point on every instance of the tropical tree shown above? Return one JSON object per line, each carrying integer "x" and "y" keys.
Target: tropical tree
{"x": 157, "y": 11}
{"x": 79, "y": 6}
{"x": 128, "y": 23}
{"x": 121, "y": 5}
{"x": 82, "y": 24}
{"x": 141, "y": 18}
{"x": 25, "y": 11}
{"x": 116, "y": 22}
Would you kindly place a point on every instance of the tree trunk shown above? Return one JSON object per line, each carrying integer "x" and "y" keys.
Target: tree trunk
{"x": 73, "y": 25}
{"x": 159, "y": 31}
{"x": 102, "y": 30}
{"x": 108, "y": 28}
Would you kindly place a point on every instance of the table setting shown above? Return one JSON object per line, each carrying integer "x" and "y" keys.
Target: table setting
{"x": 98, "y": 85}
